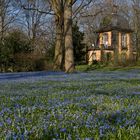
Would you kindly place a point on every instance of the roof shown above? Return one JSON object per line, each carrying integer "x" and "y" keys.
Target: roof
{"x": 115, "y": 22}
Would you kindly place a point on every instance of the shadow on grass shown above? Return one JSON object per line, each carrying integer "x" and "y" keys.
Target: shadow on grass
{"x": 20, "y": 75}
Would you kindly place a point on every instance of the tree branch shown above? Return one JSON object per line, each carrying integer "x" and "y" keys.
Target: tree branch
{"x": 38, "y": 10}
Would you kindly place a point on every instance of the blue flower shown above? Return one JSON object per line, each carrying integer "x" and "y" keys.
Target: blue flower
{"x": 1, "y": 124}
{"x": 63, "y": 130}
{"x": 17, "y": 106}
{"x": 9, "y": 121}
{"x": 1, "y": 113}
{"x": 22, "y": 137}
{"x": 89, "y": 139}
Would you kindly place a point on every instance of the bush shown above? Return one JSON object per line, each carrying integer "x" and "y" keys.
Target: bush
{"x": 23, "y": 62}
{"x": 14, "y": 51}
{"x": 39, "y": 64}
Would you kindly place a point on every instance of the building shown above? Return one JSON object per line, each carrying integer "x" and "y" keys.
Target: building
{"x": 114, "y": 41}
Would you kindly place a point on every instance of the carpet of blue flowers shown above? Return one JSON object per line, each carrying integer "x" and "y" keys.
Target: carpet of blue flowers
{"x": 83, "y": 106}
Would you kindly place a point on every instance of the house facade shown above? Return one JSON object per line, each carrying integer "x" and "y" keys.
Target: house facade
{"x": 114, "y": 43}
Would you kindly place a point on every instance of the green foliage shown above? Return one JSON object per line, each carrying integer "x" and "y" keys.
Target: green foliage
{"x": 15, "y": 43}
{"x": 4, "y": 54}
{"x": 18, "y": 54}
{"x": 79, "y": 46}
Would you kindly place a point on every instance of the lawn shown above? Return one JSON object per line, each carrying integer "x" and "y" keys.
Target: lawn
{"x": 95, "y": 105}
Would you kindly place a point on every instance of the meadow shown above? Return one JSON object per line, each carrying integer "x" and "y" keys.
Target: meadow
{"x": 91, "y": 105}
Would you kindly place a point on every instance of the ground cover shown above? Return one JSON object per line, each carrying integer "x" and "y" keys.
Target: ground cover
{"x": 50, "y": 105}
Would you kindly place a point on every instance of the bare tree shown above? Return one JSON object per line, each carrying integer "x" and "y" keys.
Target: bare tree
{"x": 33, "y": 20}
{"x": 7, "y": 16}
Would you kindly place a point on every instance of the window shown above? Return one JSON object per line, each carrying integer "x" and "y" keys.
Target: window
{"x": 105, "y": 39}
{"x": 124, "y": 41}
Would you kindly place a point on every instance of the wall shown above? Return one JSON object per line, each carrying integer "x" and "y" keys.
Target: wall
{"x": 91, "y": 55}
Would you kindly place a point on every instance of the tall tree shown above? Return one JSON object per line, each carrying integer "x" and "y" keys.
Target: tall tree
{"x": 69, "y": 56}
{"x": 58, "y": 8}
{"x": 64, "y": 16}
{"x": 33, "y": 20}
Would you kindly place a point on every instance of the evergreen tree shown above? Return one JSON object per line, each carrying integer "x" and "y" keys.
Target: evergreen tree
{"x": 79, "y": 46}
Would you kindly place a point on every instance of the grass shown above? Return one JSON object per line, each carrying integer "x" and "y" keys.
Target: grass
{"x": 102, "y": 67}
{"x": 92, "y": 105}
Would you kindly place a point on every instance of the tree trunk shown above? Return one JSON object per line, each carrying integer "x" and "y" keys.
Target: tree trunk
{"x": 69, "y": 57}
{"x": 59, "y": 44}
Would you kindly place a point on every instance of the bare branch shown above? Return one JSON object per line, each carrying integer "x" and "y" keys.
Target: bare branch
{"x": 38, "y": 10}
{"x": 81, "y": 6}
